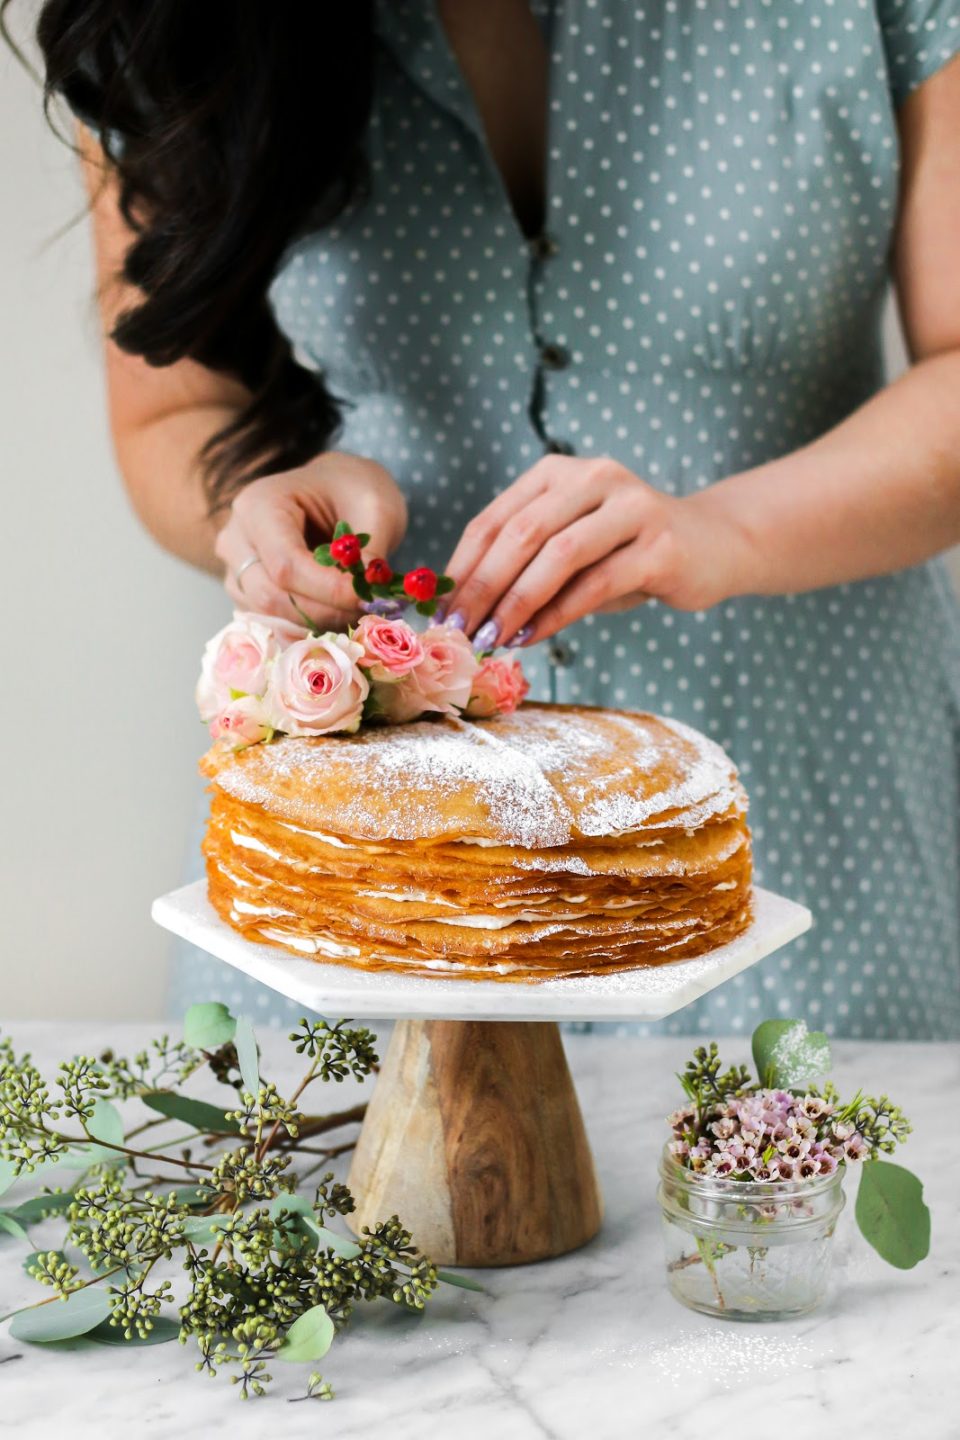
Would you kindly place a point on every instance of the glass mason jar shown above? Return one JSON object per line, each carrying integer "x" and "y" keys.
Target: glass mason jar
{"x": 745, "y": 1249}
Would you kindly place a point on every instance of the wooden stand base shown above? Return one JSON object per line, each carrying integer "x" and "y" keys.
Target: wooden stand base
{"x": 474, "y": 1137}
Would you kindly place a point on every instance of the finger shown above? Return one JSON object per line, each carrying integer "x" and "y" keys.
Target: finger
{"x": 266, "y": 599}
{"x": 481, "y": 532}
{"x": 525, "y": 536}
{"x": 608, "y": 585}
{"x": 587, "y": 541}
{"x": 272, "y": 524}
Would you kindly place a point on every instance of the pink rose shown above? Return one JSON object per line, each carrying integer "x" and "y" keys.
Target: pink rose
{"x": 441, "y": 682}
{"x": 391, "y": 648}
{"x": 242, "y": 722}
{"x": 237, "y": 660}
{"x": 317, "y": 687}
{"x": 498, "y": 688}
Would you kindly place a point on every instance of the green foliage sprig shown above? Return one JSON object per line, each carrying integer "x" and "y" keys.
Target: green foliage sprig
{"x": 267, "y": 1279}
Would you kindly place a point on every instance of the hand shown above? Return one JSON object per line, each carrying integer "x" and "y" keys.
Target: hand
{"x": 281, "y": 518}
{"x": 575, "y": 536}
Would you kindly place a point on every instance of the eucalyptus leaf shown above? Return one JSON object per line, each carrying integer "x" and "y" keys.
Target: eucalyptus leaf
{"x": 309, "y": 1337}
{"x": 10, "y": 1223}
{"x": 191, "y": 1195}
{"x": 788, "y": 1056}
{"x": 246, "y": 1043}
{"x": 62, "y": 1319}
{"x": 892, "y": 1214}
{"x": 208, "y": 1026}
{"x": 449, "y": 1278}
{"x": 38, "y": 1207}
{"x": 204, "y": 1229}
{"x": 299, "y": 1207}
{"x": 348, "y": 1249}
{"x": 164, "y": 1330}
{"x": 196, "y": 1113}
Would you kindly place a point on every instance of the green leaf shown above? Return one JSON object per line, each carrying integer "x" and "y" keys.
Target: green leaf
{"x": 197, "y": 1113}
{"x": 892, "y": 1215}
{"x": 204, "y": 1229}
{"x": 362, "y": 587}
{"x": 309, "y": 1337}
{"x": 246, "y": 1044}
{"x": 787, "y": 1055}
{"x": 62, "y": 1319}
{"x": 208, "y": 1026}
{"x": 164, "y": 1329}
{"x": 445, "y": 583}
{"x": 449, "y": 1278}
{"x": 341, "y": 528}
{"x": 426, "y": 607}
{"x": 11, "y": 1225}
{"x": 348, "y": 1249}
{"x": 38, "y": 1207}
{"x": 106, "y": 1123}
{"x": 362, "y": 539}
{"x": 191, "y": 1195}
{"x": 322, "y": 555}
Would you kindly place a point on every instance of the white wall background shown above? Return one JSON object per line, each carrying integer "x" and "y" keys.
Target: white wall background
{"x": 102, "y": 631}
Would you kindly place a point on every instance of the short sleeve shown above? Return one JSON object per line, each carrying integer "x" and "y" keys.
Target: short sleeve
{"x": 919, "y": 37}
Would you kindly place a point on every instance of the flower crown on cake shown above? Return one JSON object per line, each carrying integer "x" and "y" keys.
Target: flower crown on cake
{"x": 262, "y": 676}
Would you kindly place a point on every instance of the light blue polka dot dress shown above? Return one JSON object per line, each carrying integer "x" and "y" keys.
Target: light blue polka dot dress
{"x": 722, "y": 187}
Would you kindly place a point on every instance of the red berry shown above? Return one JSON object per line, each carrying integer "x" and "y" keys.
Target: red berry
{"x": 345, "y": 550}
{"x": 378, "y": 572}
{"x": 420, "y": 584}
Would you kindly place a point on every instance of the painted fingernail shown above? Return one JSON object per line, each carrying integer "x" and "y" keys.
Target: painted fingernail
{"x": 521, "y": 637}
{"x": 487, "y": 636}
{"x": 440, "y": 614}
{"x": 458, "y": 620}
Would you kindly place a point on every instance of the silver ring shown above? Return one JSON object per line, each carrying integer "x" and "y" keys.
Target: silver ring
{"x": 238, "y": 573}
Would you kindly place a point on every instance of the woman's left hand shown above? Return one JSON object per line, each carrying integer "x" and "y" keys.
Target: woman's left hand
{"x": 574, "y": 536}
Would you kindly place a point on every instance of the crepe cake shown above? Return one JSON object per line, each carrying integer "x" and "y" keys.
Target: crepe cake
{"x": 558, "y": 841}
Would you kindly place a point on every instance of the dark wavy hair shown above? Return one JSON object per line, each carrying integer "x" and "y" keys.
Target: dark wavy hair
{"x": 233, "y": 126}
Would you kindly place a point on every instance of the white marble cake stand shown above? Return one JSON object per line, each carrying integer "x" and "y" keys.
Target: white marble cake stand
{"x": 473, "y": 1134}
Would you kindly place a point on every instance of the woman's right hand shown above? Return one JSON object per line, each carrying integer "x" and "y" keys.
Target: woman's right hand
{"x": 281, "y": 518}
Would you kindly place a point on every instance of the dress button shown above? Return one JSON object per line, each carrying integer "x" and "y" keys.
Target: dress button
{"x": 559, "y": 447}
{"x": 554, "y": 357}
{"x": 544, "y": 247}
{"x": 558, "y": 653}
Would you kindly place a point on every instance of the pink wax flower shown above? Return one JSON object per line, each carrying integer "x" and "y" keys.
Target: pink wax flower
{"x": 317, "y": 687}
{"x": 441, "y": 682}
{"x": 242, "y": 722}
{"x": 498, "y": 688}
{"x": 391, "y": 648}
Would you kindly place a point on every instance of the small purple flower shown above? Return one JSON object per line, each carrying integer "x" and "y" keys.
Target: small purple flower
{"x": 384, "y": 606}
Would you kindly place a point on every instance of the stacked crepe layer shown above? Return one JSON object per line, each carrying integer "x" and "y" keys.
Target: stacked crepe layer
{"x": 554, "y": 842}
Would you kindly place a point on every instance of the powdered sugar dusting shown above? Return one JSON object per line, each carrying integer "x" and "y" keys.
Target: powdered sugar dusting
{"x": 535, "y": 779}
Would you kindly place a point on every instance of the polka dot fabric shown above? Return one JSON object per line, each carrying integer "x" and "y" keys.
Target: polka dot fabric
{"x": 707, "y": 295}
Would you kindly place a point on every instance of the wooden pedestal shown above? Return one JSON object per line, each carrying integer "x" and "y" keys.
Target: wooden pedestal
{"x": 474, "y": 1137}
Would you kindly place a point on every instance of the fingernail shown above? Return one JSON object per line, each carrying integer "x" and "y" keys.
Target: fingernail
{"x": 458, "y": 620}
{"x": 487, "y": 636}
{"x": 440, "y": 614}
{"x": 521, "y": 637}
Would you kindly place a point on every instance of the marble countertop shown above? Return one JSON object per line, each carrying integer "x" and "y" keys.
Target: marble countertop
{"x": 587, "y": 1345}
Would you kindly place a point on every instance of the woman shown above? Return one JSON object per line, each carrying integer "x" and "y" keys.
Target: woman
{"x": 597, "y": 290}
